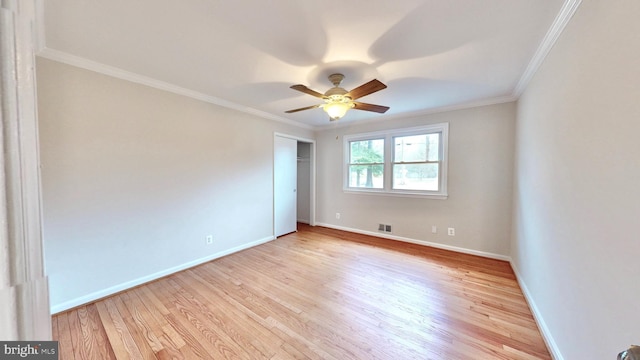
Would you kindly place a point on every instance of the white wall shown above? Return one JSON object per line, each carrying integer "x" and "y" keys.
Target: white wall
{"x": 480, "y": 183}
{"x": 577, "y": 197}
{"x": 134, "y": 178}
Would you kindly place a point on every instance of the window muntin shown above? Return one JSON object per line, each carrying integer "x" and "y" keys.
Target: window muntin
{"x": 414, "y": 162}
{"x": 366, "y": 164}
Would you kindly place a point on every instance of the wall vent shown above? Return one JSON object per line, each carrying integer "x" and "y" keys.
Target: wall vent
{"x": 384, "y": 228}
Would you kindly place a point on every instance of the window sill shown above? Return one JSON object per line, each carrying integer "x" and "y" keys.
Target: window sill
{"x": 396, "y": 193}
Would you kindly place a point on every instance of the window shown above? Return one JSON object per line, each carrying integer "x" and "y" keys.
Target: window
{"x": 409, "y": 162}
{"x": 366, "y": 163}
{"x": 416, "y": 160}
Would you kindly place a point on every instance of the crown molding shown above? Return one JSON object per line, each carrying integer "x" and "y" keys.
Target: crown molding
{"x": 435, "y": 110}
{"x": 557, "y": 27}
{"x": 90, "y": 65}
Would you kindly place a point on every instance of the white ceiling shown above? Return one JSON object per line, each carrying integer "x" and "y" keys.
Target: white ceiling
{"x": 432, "y": 54}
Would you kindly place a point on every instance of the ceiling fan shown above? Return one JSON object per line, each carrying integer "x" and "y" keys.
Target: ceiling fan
{"x": 338, "y": 100}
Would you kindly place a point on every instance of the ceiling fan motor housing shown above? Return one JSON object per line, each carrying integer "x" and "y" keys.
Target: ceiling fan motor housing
{"x": 335, "y": 92}
{"x": 336, "y": 79}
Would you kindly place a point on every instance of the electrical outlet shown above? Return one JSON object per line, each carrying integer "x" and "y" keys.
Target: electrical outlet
{"x": 338, "y": 216}
{"x": 434, "y": 229}
{"x": 209, "y": 239}
{"x": 451, "y": 231}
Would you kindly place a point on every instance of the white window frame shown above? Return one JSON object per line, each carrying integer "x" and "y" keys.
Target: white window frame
{"x": 388, "y": 136}
{"x": 347, "y": 160}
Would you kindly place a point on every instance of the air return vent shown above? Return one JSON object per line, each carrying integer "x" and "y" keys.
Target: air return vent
{"x": 384, "y": 228}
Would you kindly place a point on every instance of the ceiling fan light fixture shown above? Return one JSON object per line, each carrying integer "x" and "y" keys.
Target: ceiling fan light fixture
{"x": 337, "y": 106}
{"x": 337, "y": 101}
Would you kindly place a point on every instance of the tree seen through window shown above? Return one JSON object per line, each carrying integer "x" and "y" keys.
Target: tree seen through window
{"x": 366, "y": 163}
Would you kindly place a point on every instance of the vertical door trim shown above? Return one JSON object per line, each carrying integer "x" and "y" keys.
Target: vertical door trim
{"x": 24, "y": 293}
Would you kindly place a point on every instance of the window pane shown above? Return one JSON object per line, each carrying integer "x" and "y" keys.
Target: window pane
{"x": 366, "y": 151}
{"x": 415, "y": 176}
{"x": 417, "y": 148}
{"x": 366, "y": 176}
{"x": 434, "y": 147}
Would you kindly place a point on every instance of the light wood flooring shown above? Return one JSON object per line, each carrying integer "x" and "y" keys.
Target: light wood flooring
{"x": 315, "y": 294}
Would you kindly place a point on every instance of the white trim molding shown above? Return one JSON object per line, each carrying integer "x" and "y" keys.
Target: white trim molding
{"x": 312, "y": 185}
{"x": 562, "y": 19}
{"x": 436, "y": 110}
{"x": 24, "y": 292}
{"x": 118, "y": 73}
{"x": 537, "y": 315}
{"x": 420, "y": 242}
{"x": 388, "y": 164}
{"x": 567, "y": 11}
{"x": 97, "y": 295}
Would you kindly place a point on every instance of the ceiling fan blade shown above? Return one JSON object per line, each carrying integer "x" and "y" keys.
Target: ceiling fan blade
{"x": 300, "y": 109}
{"x": 370, "y": 107}
{"x": 306, "y": 90}
{"x": 366, "y": 89}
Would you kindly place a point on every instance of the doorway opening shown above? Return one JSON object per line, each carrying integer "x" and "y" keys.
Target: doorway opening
{"x": 294, "y": 183}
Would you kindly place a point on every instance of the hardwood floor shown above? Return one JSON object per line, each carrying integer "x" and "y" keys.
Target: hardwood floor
{"x": 315, "y": 294}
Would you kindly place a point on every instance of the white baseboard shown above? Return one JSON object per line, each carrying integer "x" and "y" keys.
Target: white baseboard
{"x": 544, "y": 330}
{"x": 419, "y": 242}
{"x": 56, "y": 308}
{"x": 542, "y": 325}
